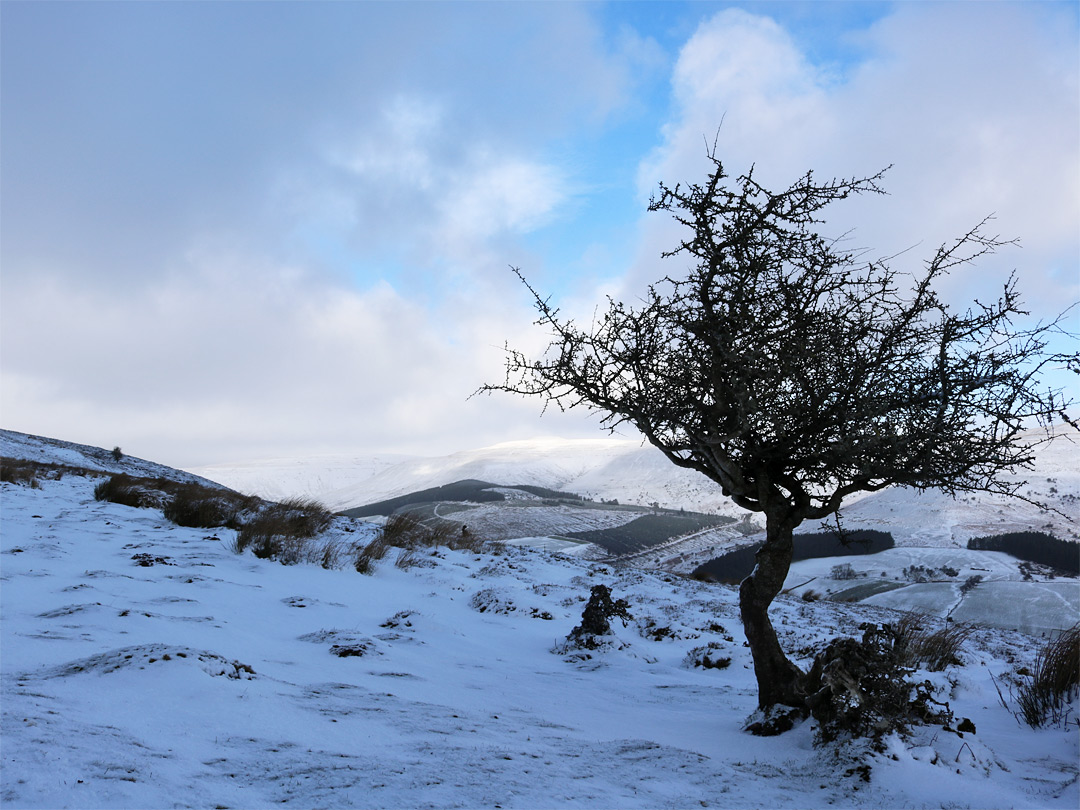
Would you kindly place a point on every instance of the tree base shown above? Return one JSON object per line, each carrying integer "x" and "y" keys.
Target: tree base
{"x": 774, "y": 720}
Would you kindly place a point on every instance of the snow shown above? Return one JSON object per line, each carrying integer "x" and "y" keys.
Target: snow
{"x": 277, "y": 479}
{"x": 55, "y": 451}
{"x": 607, "y": 468}
{"x": 627, "y": 471}
{"x": 212, "y": 681}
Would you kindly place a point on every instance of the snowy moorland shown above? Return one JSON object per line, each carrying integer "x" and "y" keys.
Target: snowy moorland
{"x": 149, "y": 665}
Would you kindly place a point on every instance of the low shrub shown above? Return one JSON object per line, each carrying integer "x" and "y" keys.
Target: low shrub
{"x": 198, "y": 507}
{"x": 1044, "y": 699}
{"x": 407, "y": 558}
{"x": 406, "y": 530}
{"x": 707, "y": 657}
{"x": 124, "y": 490}
{"x": 370, "y": 553}
{"x": 330, "y": 554}
{"x": 308, "y": 515}
{"x": 595, "y": 619}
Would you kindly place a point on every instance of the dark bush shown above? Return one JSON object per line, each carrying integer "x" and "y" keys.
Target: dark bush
{"x": 860, "y": 688}
{"x": 19, "y": 472}
{"x": 706, "y": 657}
{"x": 282, "y": 531}
{"x": 405, "y": 530}
{"x": 595, "y": 618}
{"x": 198, "y": 507}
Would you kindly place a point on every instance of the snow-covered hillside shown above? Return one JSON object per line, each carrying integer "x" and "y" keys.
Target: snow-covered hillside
{"x": 934, "y": 519}
{"x": 56, "y": 451}
{"x": 620, "y": 469}
{"x": 311, "y": 477}
{"x": 624, "y": 470}
{"x": 211, "y": 679}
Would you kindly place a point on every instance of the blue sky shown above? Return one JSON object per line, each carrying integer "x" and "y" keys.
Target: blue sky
{"x": 244, "y": 230}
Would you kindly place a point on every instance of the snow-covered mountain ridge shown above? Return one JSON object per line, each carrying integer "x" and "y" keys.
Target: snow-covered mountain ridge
{"x": 623, "y": 469}
{"x": 212, "y": 679}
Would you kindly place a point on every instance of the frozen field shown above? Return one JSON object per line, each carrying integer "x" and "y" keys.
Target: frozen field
{"x": 1001, "y": 599}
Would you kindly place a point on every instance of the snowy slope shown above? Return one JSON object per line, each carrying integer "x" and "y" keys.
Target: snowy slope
{"x": 311, "y": 477}
{"x": 55, "y": 451}
{"x": 212, "y": 679}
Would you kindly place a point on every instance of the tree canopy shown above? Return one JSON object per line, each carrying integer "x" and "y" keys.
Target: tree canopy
{"x": 795, "y": 372}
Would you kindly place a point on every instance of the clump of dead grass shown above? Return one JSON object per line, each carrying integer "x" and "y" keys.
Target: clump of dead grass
{"x": 125, "y": 490}
{"x": 13, "y": 471}
{"x": 409, "y": 533}
{"x": 1046, "y": 697}
{"x": 919, "y": 644}
{"x": 285, "y": 531}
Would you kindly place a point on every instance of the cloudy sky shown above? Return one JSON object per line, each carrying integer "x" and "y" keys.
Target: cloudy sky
{"x": 235, "y": 231}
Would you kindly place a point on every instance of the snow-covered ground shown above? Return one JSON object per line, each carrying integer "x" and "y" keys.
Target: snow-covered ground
{"x": 211, "y": 679}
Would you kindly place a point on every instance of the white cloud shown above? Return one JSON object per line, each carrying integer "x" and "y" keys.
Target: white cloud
{"x": 397, "y": 148}
{"x": 493, "y": 194}
{"x": 416, "y": 185}
{"x": 228, "y": 358}
{"x": 975, "y": 105}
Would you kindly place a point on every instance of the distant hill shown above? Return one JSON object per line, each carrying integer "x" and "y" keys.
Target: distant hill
{"x": 472, "y": 490}
{"x": 624, "y": 470}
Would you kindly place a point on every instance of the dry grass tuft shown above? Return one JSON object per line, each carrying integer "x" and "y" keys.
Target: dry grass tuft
{"x": 917, "y": 644}
{"x": 13, "y": 471}
{"x": 1055, "y": 682}
{"x": 199, "y": 507}
{"x": 284, "y": 532}
{"x": 370, "y": 553}
{"x": 124, "y": 490}
{"x": 406, "y": 531}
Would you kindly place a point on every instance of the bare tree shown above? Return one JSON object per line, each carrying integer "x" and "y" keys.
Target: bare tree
{"x": 794, "y": 373}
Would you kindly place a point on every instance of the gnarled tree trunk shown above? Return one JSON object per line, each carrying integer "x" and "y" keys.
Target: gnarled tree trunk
{"x": 779, "y": 680}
